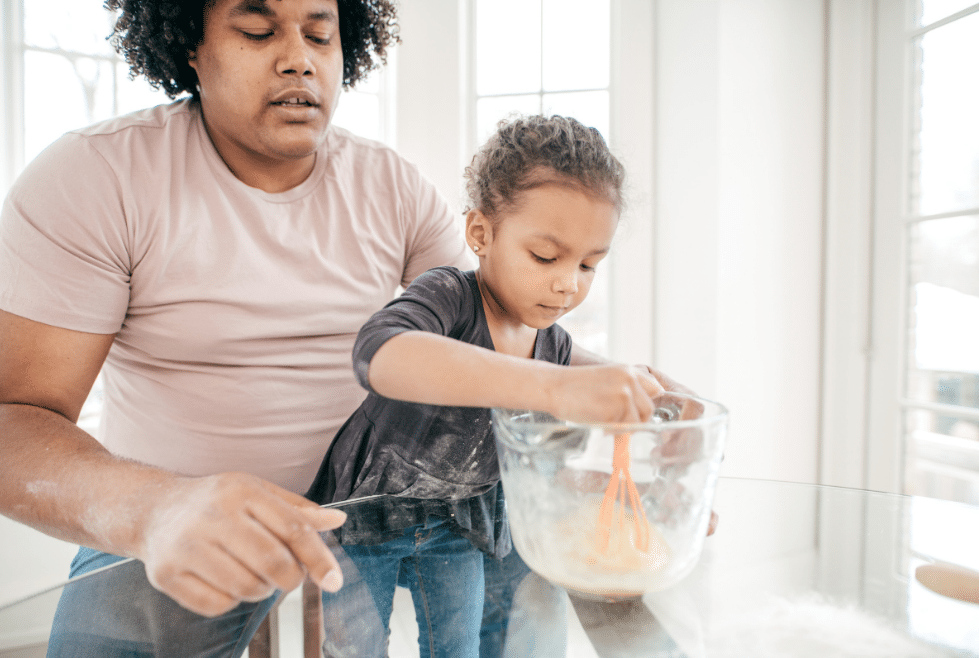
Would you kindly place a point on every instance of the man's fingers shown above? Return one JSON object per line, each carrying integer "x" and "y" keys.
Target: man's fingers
{"x": 229, "y": 575}
{"x": 196, "y": 595}
{"x": 298, "y": 530}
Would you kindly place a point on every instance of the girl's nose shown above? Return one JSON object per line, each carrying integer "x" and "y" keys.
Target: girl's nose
{"x": 566, "y": 282}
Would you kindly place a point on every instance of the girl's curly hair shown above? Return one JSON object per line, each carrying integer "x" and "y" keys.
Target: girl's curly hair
{"x": 529, "y": 151}
{"x": 156, "y": 35}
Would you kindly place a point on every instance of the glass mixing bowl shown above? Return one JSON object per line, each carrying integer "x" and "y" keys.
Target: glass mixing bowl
{"x": 571, "y": 527}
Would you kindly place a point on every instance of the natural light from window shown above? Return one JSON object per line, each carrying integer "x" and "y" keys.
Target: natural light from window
{"x": 554, "y": 60}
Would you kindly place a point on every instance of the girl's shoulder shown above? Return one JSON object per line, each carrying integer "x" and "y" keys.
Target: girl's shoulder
{"x": 444, "y": 281}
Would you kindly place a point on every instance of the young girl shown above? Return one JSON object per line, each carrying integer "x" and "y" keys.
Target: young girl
{"x": 545, "y": 199}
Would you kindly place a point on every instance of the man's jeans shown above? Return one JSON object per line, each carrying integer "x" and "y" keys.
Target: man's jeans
{"x": 444, "y": 573}
{"x": 118, "y": 614}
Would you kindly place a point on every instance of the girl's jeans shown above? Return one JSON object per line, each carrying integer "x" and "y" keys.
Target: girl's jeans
{"x": 444, "y": 573}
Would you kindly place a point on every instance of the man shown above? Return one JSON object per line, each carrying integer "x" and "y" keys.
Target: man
{"x": 214, "y": 258}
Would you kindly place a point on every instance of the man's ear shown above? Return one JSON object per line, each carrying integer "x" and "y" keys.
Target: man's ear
{"x": 192, "y": 59}
{"x": 479, "y": 231}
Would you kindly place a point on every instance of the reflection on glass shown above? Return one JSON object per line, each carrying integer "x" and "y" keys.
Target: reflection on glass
{"x": 68, "y": 25}
{"x": 508, "y": 46}
{"x": 588, "y": 107}
{"x": 62, "y": 95}
{"x": 576, "y": 44}
{"x": 948, "y": 156}
{"x": 927, "y": 12}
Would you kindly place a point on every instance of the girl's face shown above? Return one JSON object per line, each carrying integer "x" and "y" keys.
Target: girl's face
{"x": 537, "y": 262}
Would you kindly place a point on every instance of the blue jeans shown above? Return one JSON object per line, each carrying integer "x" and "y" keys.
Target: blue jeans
{"x": 502, "y": 576}
{"x": 118, "y": 614}
{"x": 444, "y": 573}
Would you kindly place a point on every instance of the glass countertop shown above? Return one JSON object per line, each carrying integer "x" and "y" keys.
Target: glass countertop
{"x": 792, "y": 570}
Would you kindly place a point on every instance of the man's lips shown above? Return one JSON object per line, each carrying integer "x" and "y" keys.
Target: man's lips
{"x": 295, "y": 98}
{"x": 294, "y": 102}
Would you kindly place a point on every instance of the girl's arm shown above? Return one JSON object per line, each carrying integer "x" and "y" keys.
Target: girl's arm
{"x": 419, "y": 366}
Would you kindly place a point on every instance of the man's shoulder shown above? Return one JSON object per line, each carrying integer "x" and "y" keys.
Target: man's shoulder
{"x": 357, "y": 156}
{"x": 178, "y": 115}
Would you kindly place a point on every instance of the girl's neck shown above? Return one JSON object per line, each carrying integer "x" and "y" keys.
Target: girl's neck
{"x": 509, "y": 336}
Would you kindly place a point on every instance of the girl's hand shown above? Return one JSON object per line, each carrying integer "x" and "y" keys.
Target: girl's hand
{"x": 611, "y": 393}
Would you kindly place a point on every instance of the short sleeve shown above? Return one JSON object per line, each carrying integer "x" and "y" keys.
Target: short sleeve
{"x": 63, "y": 249}
{"x": 435, "y": 235}
{"x": 563, "y": 342}
{"x": 437, "y": 301}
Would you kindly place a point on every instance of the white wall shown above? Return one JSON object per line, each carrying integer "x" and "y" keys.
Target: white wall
{"x": 739, "y": 220}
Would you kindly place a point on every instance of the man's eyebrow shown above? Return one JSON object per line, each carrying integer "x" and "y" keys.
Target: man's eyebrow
{"x": 261, "y": 8}
{"x": 251, "y": 7}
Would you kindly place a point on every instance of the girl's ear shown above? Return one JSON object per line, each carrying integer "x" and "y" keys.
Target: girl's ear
{"x": 479, "y": 231}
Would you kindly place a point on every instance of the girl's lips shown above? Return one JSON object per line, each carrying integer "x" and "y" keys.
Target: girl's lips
{"x": 553, "y": 310}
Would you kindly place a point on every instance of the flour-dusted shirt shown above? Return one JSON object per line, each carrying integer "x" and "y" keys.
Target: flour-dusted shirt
{"x": 235, "y": 310}
{"x": 441, "y": 459}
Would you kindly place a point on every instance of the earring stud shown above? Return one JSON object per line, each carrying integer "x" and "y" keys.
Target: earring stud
{"x": 475, "y": 247}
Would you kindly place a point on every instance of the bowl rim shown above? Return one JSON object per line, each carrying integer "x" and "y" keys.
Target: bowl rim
{"x": 506, "y": 416}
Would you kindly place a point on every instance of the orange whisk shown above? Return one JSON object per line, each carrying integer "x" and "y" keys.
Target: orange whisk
{"x": 620, "y": 493}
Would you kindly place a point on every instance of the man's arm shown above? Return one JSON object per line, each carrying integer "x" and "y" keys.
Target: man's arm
{"x": 208, "y": 542}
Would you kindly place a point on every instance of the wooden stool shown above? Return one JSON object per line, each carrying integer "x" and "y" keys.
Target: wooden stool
{"x": 265, "y": 643}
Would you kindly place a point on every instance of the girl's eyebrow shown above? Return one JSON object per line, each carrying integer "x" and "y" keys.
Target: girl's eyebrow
{"x": 564, "y": 247}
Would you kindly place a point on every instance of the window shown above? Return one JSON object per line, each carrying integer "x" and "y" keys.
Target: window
{"x": 941, "y": 390}
{"x": 553, "y": 59}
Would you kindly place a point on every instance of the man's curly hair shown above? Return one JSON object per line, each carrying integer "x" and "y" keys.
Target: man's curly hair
{"x": 156, "y": 35}
{"x": 530, "y": 151}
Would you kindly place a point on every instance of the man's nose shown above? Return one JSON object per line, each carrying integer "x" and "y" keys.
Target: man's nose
{"x": 294, "y": 55}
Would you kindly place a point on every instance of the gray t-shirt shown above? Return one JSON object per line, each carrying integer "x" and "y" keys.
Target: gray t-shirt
{"x": 440, "y": 460}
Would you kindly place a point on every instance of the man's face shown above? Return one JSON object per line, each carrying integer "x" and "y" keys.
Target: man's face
{"x": 270, "y": 74}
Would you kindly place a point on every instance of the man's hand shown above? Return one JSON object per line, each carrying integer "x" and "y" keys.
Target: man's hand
{"x": 213, "y": 542}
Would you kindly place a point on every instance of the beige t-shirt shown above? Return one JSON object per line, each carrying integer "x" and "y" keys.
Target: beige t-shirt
{"x": 235, "y": 310}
